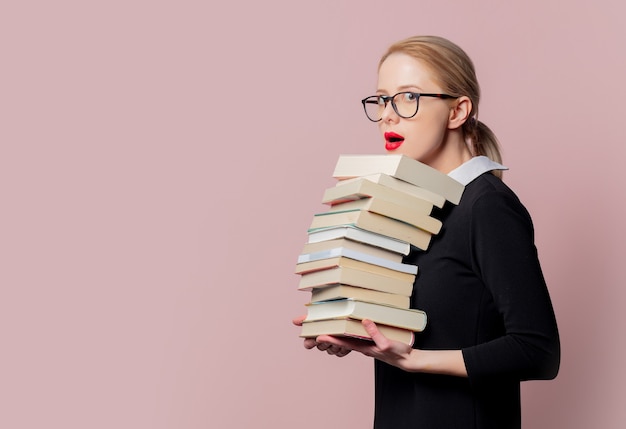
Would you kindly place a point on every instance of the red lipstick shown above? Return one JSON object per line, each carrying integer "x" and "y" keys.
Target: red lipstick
{"x": 393, "y": 140}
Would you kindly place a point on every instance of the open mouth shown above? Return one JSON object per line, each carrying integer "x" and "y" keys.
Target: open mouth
{"x": 393, "y": 140}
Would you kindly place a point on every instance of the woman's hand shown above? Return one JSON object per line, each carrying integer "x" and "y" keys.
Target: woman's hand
{"x": 327, "y": 347}
{"x": 396, "y": 353}
{"x": 382, "y": 348}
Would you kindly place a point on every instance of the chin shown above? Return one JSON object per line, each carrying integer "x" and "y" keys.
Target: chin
{"x": 410, "y": 154}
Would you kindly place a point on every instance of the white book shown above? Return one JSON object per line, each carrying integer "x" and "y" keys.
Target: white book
{"x": 360, "y": 235}
{"x": 359, "y": 256}
{"x": 354, "y": 245}
{"x": 412, "y": 319}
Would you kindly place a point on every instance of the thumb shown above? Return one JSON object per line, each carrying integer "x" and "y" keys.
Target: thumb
{"x": 372, "y": 330}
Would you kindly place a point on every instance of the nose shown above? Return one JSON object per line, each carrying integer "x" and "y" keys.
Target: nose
{"x": 389, "y": 114}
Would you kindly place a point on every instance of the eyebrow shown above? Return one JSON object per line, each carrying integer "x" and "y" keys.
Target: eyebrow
{"x": 403, "y": 88}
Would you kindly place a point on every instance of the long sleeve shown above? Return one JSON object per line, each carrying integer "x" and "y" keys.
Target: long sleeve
{"x": 504, "y": 256}
{"x": 482, "y": 288}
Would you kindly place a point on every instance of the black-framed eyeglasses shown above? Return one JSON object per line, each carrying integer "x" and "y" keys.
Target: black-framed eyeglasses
{"x": 405, "y": 104}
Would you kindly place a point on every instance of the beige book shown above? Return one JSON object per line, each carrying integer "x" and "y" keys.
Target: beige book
{"x": 398, "y": 185}
{"x": 374, "y": 222}
{"x": 353, "y": 328}
{"x": 401, "y": 167}
{"x": 392, "y": 210}
{"x": 362, "y": 188}
{"x": 354, "y": 277}
{"x": 342, "y": 261}
{"x": 346, "y": 291}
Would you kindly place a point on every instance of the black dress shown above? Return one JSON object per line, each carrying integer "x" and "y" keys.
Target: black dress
{"x": 482, "y": 287}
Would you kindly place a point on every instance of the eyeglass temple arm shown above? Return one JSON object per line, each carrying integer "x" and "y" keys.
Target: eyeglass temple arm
{"x": 387, "y": 98}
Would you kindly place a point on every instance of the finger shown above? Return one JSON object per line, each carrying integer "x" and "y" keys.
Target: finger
{"x": 343, "y": 352}
{"x": 298, "y": 320}
{"x": 379, "y": 339}
{"x": 309, "y": 343}
{"x": 322, "y": 345}
{"x": 360, "y": 345}
{"x": 336, "y": 341}
{"x": 334, "y": 350}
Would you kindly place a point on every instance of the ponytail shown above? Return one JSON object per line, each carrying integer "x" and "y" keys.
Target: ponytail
{"x": 482, "y": 141}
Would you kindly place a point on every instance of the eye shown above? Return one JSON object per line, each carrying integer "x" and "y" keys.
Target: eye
{"x": 409, "y": 97}
{"x": 380, "y": 100}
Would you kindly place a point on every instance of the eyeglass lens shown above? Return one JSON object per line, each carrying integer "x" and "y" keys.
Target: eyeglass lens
{"x": 405, "y": 105}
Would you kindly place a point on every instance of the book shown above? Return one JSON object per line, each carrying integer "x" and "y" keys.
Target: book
{"x": 363, "y": 189}
{"x": 346, "y": 291}
{"x": 341, "y": 252}
{"x": 411, "y": 319}
{"x": 346, "y": 243}
{"x": 341, "y": 261}
{"x": 392, "y": 210}
{"x": 352, "y": 328}
{"x": 398, "y": 185}
{"x": 354, "y": 277}
{"x": 401, "y": 167}
{"x": 354, "y": 233}
{"x": 374, "y": 222}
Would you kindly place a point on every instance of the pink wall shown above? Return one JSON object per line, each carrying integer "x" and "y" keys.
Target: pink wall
{"x": 161, "y": 161}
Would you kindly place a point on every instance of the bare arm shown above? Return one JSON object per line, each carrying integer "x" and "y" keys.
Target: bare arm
{"x": 449, "y": 362}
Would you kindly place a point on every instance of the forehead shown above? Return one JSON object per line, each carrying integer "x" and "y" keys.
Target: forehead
{"x": 401, "y": 71}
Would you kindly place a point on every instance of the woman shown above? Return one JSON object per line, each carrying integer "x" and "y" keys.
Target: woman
{"x": 490, "y": 318}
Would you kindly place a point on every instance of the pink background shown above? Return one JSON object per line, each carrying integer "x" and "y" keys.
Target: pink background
{"x": 161, "y": 161}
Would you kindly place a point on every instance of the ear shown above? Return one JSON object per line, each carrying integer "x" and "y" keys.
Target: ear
{"x": 459, "y": 112}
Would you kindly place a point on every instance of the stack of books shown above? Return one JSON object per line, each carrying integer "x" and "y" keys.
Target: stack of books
{"x": 352, "y": 262}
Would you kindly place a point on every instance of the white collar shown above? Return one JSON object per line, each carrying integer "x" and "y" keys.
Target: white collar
{"x": 473, "y": 168}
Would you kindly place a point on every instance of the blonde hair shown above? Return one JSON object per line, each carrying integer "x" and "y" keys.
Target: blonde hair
{"x": 454, "y": 71}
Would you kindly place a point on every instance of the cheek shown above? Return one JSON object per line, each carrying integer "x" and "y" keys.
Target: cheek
{"x": 422, "y": 141}
{"x": 428, "y": 131}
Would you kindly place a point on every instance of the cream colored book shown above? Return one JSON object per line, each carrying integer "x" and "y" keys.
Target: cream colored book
{"x": 354, "y": 277}
{"x": 353, "y": 328}
{"x": 374, "y": 222}
{"x": 361, "y": 188}
{"x": 346, "y": 291}
{"x": 416, "y": 218}
{"x": 401, "y": 167}
{"x": 398, "y": 185}
{"x": 342, "y": 261}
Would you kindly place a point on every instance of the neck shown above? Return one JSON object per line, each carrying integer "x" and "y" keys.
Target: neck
{"x": 453, "y": 152}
